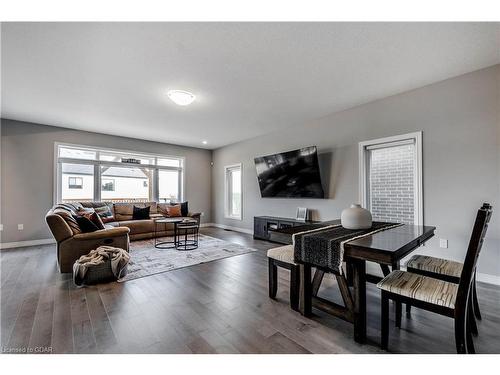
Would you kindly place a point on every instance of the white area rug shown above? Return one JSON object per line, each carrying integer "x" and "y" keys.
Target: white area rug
{"x": 146, "y": 260}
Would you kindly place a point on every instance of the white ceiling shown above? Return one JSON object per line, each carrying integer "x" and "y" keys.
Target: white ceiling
{"x": 249, "y": 78}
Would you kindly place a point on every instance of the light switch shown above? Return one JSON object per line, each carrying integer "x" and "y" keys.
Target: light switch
{"x": 443, "y": 243}
{"x": 20, "y": 226}
{"x": 1, "y": 227}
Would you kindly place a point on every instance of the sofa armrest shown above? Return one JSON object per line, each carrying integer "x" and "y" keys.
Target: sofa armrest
{"x": 194, "y": 214}
{"x": 101, "y": 234}
{"x": 58, "y": 226}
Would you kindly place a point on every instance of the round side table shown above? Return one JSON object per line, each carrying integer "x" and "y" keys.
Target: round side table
{"x": 189, "y": 229}
{"x": 166, "y": 244}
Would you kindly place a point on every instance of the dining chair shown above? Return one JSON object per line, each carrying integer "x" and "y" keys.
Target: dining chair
{"x": 283, "y": 257}
{"x": 438, "y": 296}
{"x": 446, "y": 270}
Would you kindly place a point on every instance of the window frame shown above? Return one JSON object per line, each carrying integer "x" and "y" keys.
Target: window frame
{"x": 58, "y": 161}
{"x": 363, "y": 156}
{"x": 227, "y": 197}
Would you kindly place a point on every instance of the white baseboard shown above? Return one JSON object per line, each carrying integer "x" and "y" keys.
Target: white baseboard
{"x": 222, "y": 226}
{"x": 488, "y": 279}
{"x": 11, "y": 245}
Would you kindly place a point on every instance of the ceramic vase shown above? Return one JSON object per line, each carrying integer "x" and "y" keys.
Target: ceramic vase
{"x": 356, "y": 217}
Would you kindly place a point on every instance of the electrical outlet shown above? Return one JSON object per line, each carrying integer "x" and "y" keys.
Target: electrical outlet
{"x": 443, "y": 243}
{"x": 20, "y": 226}
{"x": 202, "y": 214}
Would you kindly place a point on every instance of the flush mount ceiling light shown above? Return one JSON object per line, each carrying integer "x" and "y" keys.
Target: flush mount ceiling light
{"x": 181, "y": 97}
{"x": 204, "y": 142}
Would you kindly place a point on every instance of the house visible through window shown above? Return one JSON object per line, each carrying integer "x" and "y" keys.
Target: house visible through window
{"x": 86, "y": 174}
{"x": 233, "y": 196}
{"x": 391, "y": 178}
{"x": 108, "y": 185}
{"x": 75, "y": 183}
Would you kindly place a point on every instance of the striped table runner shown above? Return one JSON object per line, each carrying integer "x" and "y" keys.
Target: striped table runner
{"x": 324, "y": 247}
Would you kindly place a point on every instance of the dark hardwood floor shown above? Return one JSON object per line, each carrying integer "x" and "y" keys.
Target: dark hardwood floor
{"x": 217, "y": 307}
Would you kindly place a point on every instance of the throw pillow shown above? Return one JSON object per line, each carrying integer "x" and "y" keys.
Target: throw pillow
{"x": 141, "y": 213}
{"x": 184, "y": 208}
{"x": 86, "y": 226}
{"x": 174, "y": 211}
{"x": 93, "y": 217}
{"x": 105, "y": 214}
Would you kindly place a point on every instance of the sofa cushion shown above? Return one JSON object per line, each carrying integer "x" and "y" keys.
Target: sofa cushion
{"x": 92, "y": 204}
{"x": 153, "y": 207}
{"x": 138, "y": 226}
{"x": 123, "y": 211}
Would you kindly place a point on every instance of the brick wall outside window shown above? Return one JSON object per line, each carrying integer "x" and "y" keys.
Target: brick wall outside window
{"x": 391, "y": 177}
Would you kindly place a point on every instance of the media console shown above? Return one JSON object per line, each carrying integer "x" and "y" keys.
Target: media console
{"x": 263, "y": 226}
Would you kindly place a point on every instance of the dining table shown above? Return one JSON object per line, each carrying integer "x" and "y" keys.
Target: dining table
{"x": 386, "y": 248}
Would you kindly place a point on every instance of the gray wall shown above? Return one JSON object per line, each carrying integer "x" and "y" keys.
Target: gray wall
{"x": 459, "y": 118}
{"x": 27, "y": 169}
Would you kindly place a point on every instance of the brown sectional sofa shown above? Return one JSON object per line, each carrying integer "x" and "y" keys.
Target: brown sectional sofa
{"x": 71, "y": 243}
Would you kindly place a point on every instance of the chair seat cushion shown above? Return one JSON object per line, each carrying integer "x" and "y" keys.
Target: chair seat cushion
{"x": 420, "y": 287}
{"x": 282, "y": 253}
{"x": 435, "y": 265}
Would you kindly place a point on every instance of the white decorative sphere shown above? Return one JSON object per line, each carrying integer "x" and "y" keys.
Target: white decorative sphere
{"x": 356, "y": 217}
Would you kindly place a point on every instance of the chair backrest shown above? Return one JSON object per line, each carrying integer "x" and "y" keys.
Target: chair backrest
{"x": 476, "y": 242}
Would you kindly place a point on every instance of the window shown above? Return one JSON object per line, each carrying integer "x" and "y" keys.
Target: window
{"x": 169, "y": 186}
{"x": 233, "y": 192}
{"x": 107, "y": 184}
{"x": 90, "y": 174}
{"x": 391, "y": 178}
{"x": 128, "y": 184}
{"x": 75, "y": 182}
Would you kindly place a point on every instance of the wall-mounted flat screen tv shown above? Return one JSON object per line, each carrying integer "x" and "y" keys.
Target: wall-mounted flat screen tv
{"x": 292, "y": 174}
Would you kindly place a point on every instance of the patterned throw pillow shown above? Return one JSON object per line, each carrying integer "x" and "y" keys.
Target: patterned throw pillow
{"x": 174, "y": 211}
{"x": 105, "y": 214}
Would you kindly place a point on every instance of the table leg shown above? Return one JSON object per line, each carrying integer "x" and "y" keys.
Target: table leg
{"x": 399, "y": 309}
{"x": 305, "y": 300}
{"x": 359, "y": 281}
{"x": 316, "y": 281}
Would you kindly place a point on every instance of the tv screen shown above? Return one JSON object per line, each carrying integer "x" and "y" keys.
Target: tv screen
{"x": 292, "y": 174}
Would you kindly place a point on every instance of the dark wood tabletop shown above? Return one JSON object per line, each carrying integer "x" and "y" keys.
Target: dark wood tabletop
{"x": 389, "y": 246}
